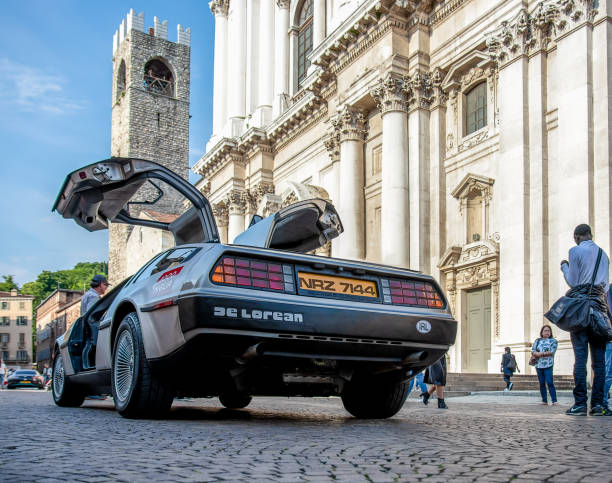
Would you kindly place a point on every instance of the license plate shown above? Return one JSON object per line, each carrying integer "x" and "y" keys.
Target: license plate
{"x": 26, "y": 382}
{"x": 338, "y": 285}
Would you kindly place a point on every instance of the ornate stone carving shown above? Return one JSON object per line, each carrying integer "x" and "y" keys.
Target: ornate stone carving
{"x": 390, "y": 94}
{"x": 269, "y": 204}
{"x": 219, "y": 7}
{"x": 205, "y": 187}
{"x": 252, "y": 197}
{"x": 535, "y": 31}
{"x": 289, "y": 199}
{"x": 235, "y": 202}
{"x": 350, "y": 124}
{"x": 283, "y": 3}
{"x": 543, "y": 25}
{"x": 450, "y": 142}
{"x": 440, "y": 96}
{"x": 510, "y": 40}
{"x": 419, "y": 90}
{"x": 332, "y": 144}
{"x": 495, "y": 289}
{"x": 473, "y": 141}
{"x": 220, "y": 213}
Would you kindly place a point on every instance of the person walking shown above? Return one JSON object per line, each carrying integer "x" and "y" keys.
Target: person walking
{"x": 543, "y": 350}
{"x": 436, "y": 375}
{"x": 587, "y": 262}
{"x": 419, "y": 378}
{"x": 508, "y": 367}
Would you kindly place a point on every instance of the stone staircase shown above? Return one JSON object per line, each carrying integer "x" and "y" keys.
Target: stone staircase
{"x": 472, "y": 382}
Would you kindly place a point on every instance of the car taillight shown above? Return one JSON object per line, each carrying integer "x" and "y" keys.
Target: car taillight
{"x": 257, "y": 274}
{"x": 416, "y": 294}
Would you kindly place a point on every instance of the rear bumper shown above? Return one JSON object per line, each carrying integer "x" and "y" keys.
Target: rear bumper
{"x": 316, "y": 327}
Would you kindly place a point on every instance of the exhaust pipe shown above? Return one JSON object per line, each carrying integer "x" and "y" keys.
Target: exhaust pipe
{"x": 249, "y": 354}
{"x": 415, "y": 357}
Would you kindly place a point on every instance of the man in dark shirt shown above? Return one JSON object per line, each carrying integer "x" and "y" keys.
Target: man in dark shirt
{"x": 579, "y": 271}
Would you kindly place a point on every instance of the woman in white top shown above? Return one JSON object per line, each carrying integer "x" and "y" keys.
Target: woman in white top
{"x": 544, "y": 349}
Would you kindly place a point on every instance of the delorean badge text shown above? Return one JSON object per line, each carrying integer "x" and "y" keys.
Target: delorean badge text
{"x": 235, "y": 313}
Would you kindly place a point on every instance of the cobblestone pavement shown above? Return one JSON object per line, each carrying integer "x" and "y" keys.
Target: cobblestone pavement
{"x": 278, "y": 439}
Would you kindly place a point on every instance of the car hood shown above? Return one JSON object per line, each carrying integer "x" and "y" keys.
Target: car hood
{"x": 102, "y": 192}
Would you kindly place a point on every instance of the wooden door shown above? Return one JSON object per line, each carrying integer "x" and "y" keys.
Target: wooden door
{"x": 478, "y": 343}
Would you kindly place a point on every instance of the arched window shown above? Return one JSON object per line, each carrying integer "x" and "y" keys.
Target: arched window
{"x": 121, "y": 80}
{"x": 476, "y": 108}
{"x": 158, "y": 78}
{"x": 304, "y": 40}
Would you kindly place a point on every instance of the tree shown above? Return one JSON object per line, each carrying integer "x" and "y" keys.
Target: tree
{"x": 8, "y": 284}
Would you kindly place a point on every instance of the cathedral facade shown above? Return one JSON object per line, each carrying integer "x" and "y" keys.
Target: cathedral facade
{"x": 462, "y": 138}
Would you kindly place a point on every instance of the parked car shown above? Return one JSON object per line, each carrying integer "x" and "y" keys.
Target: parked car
{"x": 25, "y": 378}
{"x": 259, "y": 317}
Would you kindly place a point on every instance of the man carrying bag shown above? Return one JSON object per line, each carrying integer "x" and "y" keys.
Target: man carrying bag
{"x": 584, "y": 313}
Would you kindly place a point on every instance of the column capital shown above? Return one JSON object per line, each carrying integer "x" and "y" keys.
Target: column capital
{"x": 235, "y": 202}
{"x": 390, "y": 95}
{"x": 419, "y": 90}
{"x": 283, "y": 4}
{"x": 332, "y": 144}
{"x": 219, "y": 7}
{"x": 350, "y": 124}
{"x": 509, "y": 41}
{"x": 252, "y": 197}
{"x": 220, "y": 213}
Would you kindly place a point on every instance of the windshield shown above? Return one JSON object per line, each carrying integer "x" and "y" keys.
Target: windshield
{"x": 25, "y": 373}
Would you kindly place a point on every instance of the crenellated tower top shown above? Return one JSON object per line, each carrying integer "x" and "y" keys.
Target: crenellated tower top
{"x": 134, "y": 21}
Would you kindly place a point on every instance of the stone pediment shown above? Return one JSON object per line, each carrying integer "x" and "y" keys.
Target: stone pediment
{"x": 473, "y": 61}
{"x": 473, "y": 253}
{"x": 471, "y": 181}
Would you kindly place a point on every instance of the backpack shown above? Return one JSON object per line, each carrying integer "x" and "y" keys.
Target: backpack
{"x": 511, "y": 363}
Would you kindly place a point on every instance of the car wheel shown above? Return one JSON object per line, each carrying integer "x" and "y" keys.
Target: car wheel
{"x": 371, "y": 399}
{"x": 235, "y": 400}
{"x": 136, "y": 391}
{"x": 65, "y": 394}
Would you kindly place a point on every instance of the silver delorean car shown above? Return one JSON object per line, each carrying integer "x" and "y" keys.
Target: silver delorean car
{"x": 260, "y": 317}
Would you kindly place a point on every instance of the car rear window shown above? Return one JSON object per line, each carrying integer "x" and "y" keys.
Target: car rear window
{"x": 25, "y": 373}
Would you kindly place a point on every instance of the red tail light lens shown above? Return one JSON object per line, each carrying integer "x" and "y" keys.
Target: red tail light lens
{"x": 415, "y": 294}
{"x": 257, "y": 274}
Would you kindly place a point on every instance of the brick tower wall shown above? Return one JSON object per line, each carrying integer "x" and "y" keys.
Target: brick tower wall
{"x": 146, "y": 124}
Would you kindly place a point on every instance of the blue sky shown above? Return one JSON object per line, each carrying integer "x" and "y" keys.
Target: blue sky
{"x": 55, "y": 101}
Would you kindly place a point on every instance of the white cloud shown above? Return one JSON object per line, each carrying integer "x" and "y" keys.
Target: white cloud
{"x": 30, "y": 89}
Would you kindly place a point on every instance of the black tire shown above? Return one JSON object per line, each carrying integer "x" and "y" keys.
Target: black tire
{"x": 136, "y": 391}
{"x": 235, "y": 400}
{"x": 371, "y": 399}
{"x": 65, "y": 393}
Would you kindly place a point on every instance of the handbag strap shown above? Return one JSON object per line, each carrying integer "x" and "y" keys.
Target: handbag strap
{"x": 595, "y": 270}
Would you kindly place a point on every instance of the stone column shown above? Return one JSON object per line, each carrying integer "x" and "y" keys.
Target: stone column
{"x": 508, "y": 49}
{"x": 420, "y": 92}
{"x": 236, "y": 94}
{"x": 266, "y": 62}
{"x": 437, "y": 148}
{"x": 602, "y": 120}
{"x": 318, "y": 27}
{"x": 236, "y": 211}
{"x": 281, "y": 56}
{"x": 219, "y": 9}
{"x": 538, "y": 171}
{"x": 350, "y": 125}
{"x": 390, "y": 98}
{"x": 252, "y": 61}
{"x": 332, "y": 144}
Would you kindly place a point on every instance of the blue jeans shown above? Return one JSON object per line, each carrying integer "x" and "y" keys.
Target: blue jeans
{"x": 545, "y": 376}
{"x": 608, "y": 380}
{"x": 581, "y": 341}
{"x": 419, "y": 380}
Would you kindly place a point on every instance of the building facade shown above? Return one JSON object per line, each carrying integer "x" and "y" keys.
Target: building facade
{"x": 150, "y": 119}
{"x": 16, "y": 329}
{"x": 54, "y": 316}
{"x": 462, "y": 138}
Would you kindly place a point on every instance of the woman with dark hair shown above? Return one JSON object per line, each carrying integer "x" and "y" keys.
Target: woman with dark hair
{"x": 543, "y": 350}
{"x": 436, "y": 375}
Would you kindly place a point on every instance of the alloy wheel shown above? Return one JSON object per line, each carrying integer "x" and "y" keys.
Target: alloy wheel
{"x": 58, "y": 376}
{"x": 124, "y": 365}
